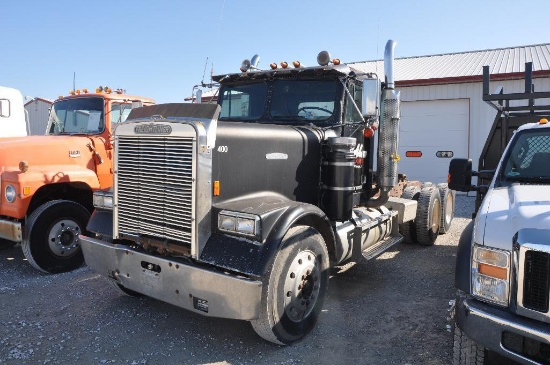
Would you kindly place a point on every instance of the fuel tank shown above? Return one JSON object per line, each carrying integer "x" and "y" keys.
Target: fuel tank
{"x": 252, "y": 157}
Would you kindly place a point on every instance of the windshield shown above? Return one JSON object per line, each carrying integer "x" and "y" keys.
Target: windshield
{"x": 289, "y": 101}
{"x": 529, "y": 157}
{"x": 243, "y": 102}
{"x": 81, "y": 115}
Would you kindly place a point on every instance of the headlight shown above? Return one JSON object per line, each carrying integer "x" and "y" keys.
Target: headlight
{"x": 103, "y": 199}
{"x": 10, "y": 193}
{"x": 247, "y": 224}
{"x": 491, "y": 275}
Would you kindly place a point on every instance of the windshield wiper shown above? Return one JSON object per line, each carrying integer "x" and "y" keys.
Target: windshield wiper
{"x": 528, "y": 178}
{"x": 291, "y": 117}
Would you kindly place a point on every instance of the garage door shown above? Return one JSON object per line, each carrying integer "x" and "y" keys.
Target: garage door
{"x": 431, "y": 133}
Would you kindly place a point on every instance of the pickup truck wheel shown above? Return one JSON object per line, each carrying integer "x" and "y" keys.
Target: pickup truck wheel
{"x": 51, "y": 243}
{"x": 5, "y": 244}
{"x": 428, "y": 216}
{"x": 447, "y": 197}
{"x": 294, "y": 288}
{"x": 408, "y": 229}
{"x": 466, "y": 351}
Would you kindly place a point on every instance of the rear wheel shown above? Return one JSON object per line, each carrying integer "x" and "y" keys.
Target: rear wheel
{"x": 51, "y": 243}
{"x": 408, "y": 229}
{"x": 294, "y": 288}
{"x": 466, "y": 351}
{"x": 447, "y": 197}
{"x": 428, "y": 216}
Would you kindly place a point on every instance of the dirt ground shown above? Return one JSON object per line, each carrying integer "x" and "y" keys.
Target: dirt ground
{"x": 391, "y": 310}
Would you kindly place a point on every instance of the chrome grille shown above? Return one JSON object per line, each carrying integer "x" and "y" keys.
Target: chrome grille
{"x": 154, "y": 185}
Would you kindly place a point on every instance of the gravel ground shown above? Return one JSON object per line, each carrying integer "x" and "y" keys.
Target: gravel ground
{"x": 391, "y": 310}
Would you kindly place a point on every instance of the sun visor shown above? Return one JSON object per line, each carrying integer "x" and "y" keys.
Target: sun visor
{"x": 175, "y": 110}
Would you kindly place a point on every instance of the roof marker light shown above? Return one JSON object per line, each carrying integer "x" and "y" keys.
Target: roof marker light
{"x": 296, "y": 64}
{"x": 336, "y": 61}
{"x": 273, "y": 66}
{"x": 543, "y": 121}
{"x": 284, "y": 64}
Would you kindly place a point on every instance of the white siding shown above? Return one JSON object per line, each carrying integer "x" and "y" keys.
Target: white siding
{"x": 481, "y": 114}
{"x": 38, "y": 111}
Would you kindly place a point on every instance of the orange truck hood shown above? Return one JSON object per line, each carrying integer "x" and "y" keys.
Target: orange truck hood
{"x": 46, "y": 154}
{"x": 51, "y": 160}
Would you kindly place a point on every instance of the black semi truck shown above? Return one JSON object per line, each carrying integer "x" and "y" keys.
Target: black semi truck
{"x": 239, "y": 209}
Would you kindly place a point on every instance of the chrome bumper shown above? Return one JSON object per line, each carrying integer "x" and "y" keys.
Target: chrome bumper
{"x": 185, "y": 285}
{"x": 485, "y": 325}
{"x": 11, "y": 230}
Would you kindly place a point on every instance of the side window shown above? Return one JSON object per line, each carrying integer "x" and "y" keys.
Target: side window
{"x": 5, "y": 110}
{"x": 120, "y": 112}
{"x": 352, "y": 115}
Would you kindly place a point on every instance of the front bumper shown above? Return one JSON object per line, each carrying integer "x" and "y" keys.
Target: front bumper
{"x": 11, "y": 230}
{"x": 186, "y": 285}
{"x": 516, "y": 337}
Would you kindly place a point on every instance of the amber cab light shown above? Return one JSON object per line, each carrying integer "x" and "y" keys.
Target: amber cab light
{"x": 369, "y": 132}
{"x": 543, "y": 121}
{"x": 336, "y": 61}
{"x": 284, "y": 64}
{"x": 413, "y": 153}
{"x": 273, "y": 66}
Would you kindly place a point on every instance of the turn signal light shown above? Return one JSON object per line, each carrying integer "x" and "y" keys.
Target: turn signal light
{"x": 216, "y": 188}
{"x": 493, "y": 271}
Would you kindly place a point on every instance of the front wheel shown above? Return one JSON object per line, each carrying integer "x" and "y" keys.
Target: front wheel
{"x": 466, "y": 351}
{"x": 51, "y": 243}
{"x": 294, "y": 288}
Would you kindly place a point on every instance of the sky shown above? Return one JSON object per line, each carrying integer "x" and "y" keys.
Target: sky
{"x": 162, "y": 48}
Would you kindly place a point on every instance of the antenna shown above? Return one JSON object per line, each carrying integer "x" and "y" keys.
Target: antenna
{"x": 204, "y": 71}
{"x": 74, "y": 80}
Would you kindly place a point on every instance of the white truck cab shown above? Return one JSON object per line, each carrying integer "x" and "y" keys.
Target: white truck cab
{"x": 503, "y": 259}
{"x": 13, "y": 118}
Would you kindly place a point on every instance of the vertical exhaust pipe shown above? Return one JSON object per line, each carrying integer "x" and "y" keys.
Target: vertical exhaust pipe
{"x": 388, "y": 131}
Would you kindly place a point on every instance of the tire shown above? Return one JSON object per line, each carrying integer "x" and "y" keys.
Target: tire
{"x": 5, "y": 244}
{"x": 408, "y": 229}
{"x": 51, "y": 243}
{"x": 466, "y": 351}
{"x": 294, "y": 288}
{"x": 428, "y": 216}
{"x": 447, "y": 197}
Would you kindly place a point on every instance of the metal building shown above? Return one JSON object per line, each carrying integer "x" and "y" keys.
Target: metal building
{"x": 38, "y": 110}
{"x": 443, "y": 114}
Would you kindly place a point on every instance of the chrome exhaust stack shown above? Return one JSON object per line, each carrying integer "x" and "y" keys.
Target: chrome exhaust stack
{"x": 388, "y": 155}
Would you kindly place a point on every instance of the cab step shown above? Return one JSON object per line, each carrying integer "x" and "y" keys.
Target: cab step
{"x": 380, "y": 247}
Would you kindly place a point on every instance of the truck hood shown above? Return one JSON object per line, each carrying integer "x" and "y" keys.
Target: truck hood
{"x": 40, "y": 151}
{"x": 506, "y": 210}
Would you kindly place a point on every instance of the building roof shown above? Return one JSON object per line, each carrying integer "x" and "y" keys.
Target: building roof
{"x": 464, "y": 66}
{"x": 39, "y": 99}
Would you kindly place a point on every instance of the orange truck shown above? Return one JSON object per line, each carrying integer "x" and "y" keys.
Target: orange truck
{"x": 47, "y": 182}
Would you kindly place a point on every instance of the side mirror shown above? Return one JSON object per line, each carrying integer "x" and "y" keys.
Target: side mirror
{"x": 370, "y": 101}
{"x": 460, "y": 174}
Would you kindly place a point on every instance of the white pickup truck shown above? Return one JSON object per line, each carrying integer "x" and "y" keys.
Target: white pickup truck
{"x": 503, "y": 258}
